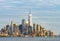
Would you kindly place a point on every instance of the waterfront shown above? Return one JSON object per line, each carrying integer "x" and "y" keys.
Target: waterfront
{"x": 29, "y": 39}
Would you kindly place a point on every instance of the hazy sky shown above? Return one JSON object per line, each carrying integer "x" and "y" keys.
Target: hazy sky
{"x": 45, "y": 12}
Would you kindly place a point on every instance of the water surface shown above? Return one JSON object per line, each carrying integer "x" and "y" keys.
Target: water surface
{"x": 28, "y": 39}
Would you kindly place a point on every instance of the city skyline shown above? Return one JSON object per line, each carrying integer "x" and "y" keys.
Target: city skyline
{"x": 26, "y": 29}
{"x": 45, "y": 12}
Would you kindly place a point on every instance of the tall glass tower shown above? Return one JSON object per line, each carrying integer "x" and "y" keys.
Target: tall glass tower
{"x": 30, "y": 18}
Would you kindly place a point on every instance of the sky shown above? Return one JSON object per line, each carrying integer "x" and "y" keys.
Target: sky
{"x": 45, "y": 12}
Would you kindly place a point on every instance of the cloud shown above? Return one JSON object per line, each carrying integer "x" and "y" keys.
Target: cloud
{"x": 45, "y": 3}
{"x": 8, "y": 7}
{"x": 17, "y": 2}
{"x": 2, "y": 0}
{"x": 33, "y": 3}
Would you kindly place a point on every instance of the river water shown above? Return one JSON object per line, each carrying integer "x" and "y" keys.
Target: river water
{"x": 28, "y": 39}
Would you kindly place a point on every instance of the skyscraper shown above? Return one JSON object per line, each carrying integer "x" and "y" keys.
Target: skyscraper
{"x": 34, "y": 28}
{"x": 24, "y": 26}
{"x": 30, "y": 28}
{"x": 30, "y": 18}
{"x": 12, "y": 27}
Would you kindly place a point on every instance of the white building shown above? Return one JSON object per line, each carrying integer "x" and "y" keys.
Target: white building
{"x": 30, "y": 19}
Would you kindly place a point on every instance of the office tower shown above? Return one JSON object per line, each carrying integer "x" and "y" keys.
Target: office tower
{"x": 49, "y": 33}
{"x": 15, "y": 30}
{"x": 20, "y": 28}
{"x": 34, "y": 28}
{"x": 44, "y": 31}
{"x": 11, "y": 27}
{"x": 24, "y": 26}
{"x": 41, "y": 34}
{"x": 30, "y": 19}
{"x": 4, "y": 28}
{"x": 52, "y": 34}
{"x": 38, "y": 28}
{"x": 8, "y": 29}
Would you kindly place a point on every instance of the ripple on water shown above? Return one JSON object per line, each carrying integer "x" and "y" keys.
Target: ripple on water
{"x": 28, "y": 39}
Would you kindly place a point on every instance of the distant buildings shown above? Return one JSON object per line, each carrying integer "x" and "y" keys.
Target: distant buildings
{"x": 38, "y": 30}
{"x": 25, "y": 28}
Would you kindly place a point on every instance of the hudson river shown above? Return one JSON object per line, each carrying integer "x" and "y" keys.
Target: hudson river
{"x": 28, "y": 39}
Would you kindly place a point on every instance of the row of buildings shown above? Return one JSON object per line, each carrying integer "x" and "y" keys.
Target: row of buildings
{"x": 26, "y": 28}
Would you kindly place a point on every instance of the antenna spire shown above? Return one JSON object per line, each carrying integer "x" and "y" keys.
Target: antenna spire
{"x": 30, "y": 11}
